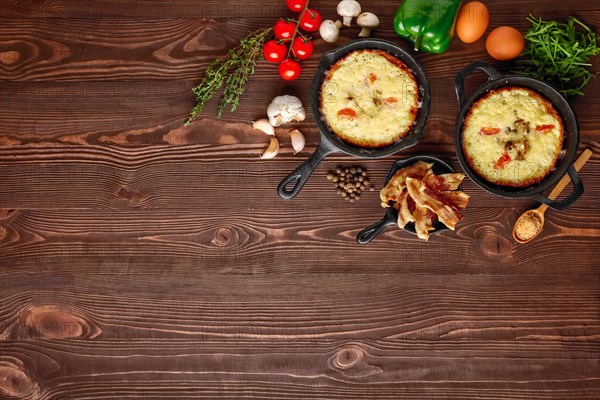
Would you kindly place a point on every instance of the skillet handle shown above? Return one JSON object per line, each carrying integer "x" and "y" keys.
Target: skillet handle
{"x": 366, "y": 235}
{"x": 459, "y": 81}
{"x": 301, "y": 174}
{"x": 577, "y": 192}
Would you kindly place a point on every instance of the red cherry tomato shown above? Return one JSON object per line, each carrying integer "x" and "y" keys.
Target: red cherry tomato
{"x": 274, "y": 52}
{"x": 289, "y": 69}
{"x": 311, "y": 20}
{"x": 284, "y": 29}
{"x": 296, "y": 5}
{"x": 302, "y": 48}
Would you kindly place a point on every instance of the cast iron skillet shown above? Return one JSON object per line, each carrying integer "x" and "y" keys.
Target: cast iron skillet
{"x": 571, "y": 142}
{"x": 391, "y": 214}
{"x": 330, "y": 143}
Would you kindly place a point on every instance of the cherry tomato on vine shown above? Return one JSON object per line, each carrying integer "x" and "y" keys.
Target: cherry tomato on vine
{"x": 289, "y": 69}
{"x": 311, "y": 20}
{"x": 274, "y": 52}
{"x": 296, "y": 5}
{"x": 302, "y": 48}
{"x": 284, "y": 29}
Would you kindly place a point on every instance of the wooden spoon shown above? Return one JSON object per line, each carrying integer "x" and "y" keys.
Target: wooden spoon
{"x": 532, "y": 221}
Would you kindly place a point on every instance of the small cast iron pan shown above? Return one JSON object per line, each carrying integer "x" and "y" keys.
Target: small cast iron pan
{"x": 570, "y": 144}
{"x": 331, "y": 143}
{"x": 391, "y": 214}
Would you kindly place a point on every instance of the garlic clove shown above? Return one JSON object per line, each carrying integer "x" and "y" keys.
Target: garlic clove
{"x": 264, "y": 125}
{"x": 276, "y": 120}
{"x": 298, "y": 140}
{"x": 300, "y": 116}
{"x": 272, "y": 149}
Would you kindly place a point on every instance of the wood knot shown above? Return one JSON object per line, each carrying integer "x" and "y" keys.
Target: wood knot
{"x": 29, "y": 6}
{"x": 6, "y": 213}
{"x": 207, "y": 39}
{"x": 222, "y": 237}
{"x": 131, "y": 196}
{"x": 494, "y": 245}
{"x": 9, "y": 57}
{"x": 350, "y": 361}
{"x": 348, "y": 357}
{"x": 51, "y": 322}
{"x": 14, "y": 382}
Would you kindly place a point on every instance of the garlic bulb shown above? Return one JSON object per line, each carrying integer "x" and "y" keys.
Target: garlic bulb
{"x": 284, "y": 109}
{"x": 264, "y": 125}
{"x": 272, "y": 149}
{"x": 298, "y": 140}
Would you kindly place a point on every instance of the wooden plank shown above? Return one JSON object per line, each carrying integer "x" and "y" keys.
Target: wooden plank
{"x": 195, "y": 177}
{"x": 257, "y": 9}
{"x": 180, "y": 49}
{"x": 522, "y": 309}
{"x": 152, "y": 112}
{"x": 232, "y": 240}
{"x": 350, "y": 370}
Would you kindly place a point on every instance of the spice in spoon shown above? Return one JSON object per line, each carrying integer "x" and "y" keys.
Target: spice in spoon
{"x": 528, "y": 226}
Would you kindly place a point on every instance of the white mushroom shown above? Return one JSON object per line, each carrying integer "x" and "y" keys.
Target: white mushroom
{"x": 367, "y": 21}
{"x": 330, "y": 31}
{"x": 284, "y": 109}
{"x": 348, "y": 9}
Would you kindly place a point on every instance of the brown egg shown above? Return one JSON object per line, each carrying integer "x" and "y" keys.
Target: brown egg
{"x": 472, "y": 21}
{"x": 505, "y": 43}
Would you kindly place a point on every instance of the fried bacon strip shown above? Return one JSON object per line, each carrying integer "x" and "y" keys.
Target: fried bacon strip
{"x": 424, "y": 218}
{"x": 424, "y": 197}
{"x": 456, "y": 199}
{"x": 404, "y": 214}
{"x": 394, "y": 188}
{"x": 442, "y": 182}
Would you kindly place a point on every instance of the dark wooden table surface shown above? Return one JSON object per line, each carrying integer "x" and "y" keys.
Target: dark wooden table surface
{"x": 143, "y": 259}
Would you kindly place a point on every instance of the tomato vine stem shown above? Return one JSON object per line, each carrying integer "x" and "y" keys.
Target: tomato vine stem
{"x": 297, "y": 30}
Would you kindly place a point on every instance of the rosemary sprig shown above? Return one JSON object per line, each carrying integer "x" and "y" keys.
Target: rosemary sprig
{"x": 233, "y": 70}
{"x": 559, "y": 54}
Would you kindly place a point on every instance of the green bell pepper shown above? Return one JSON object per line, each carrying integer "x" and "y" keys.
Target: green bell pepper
{"x": 429, "y": 24}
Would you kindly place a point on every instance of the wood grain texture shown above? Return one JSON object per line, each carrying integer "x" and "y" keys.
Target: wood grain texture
{"x": 143, "y": 259}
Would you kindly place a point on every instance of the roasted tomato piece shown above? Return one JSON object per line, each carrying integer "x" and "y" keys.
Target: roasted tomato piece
{"x": 489, "y": 131}
{"x": 347, "y": 113}
{"x": 502, "y": 161}
{"x": 544, "y": 128}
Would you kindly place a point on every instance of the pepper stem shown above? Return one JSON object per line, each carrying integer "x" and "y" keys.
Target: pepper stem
{"x": 418, "y": 41}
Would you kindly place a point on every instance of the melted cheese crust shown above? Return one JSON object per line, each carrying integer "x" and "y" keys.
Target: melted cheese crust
{"x": 369, "y": 98}
{"x": 501, "y": 109}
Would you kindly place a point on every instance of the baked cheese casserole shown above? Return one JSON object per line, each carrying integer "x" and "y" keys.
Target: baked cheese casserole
{"x": 369, "y": 98}
{"x": 512, "y": 137}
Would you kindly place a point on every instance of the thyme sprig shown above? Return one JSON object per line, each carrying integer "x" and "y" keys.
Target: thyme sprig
{"x": 233, "y": 71}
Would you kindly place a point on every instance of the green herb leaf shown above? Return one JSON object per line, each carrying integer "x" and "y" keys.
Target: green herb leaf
{"x": 233, "y": 71}
{"x": 559, "y": 53}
